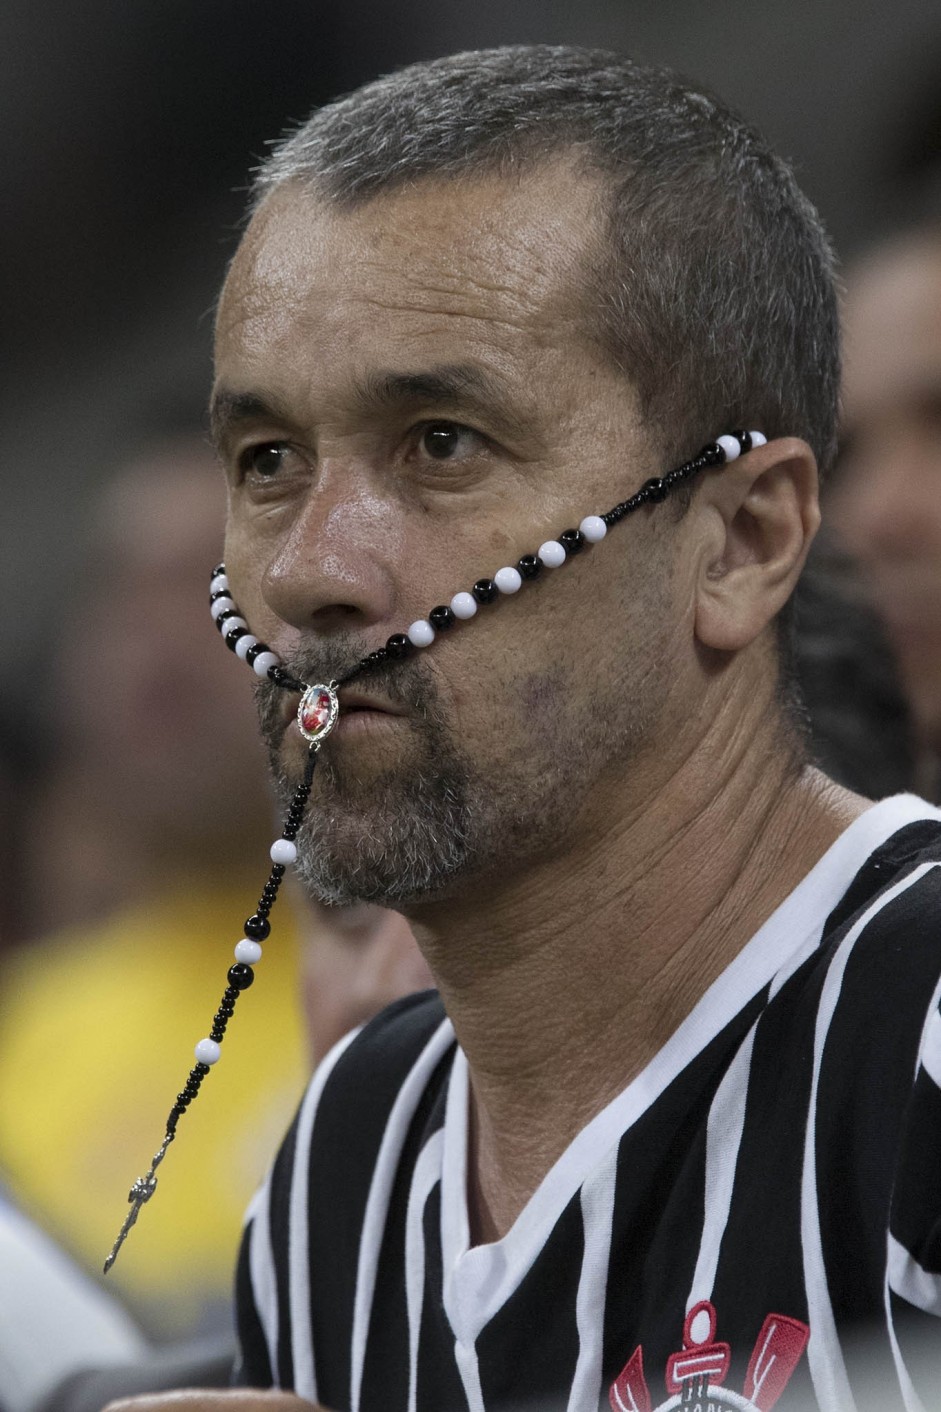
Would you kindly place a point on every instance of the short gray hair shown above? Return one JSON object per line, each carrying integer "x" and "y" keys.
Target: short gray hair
{"x": 714, "y": 291}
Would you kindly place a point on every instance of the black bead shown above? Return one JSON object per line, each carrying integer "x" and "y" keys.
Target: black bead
{"x": 278, "y": 870}
{"x": 223, "y": 617}
{"x": 712, "y": 455}
{"x": 654, "y": 490}
{"x": 485, "y": 590}
{"x": 183, "y": 1100}
{"x": 255, "y": 651}
{"x": 241, "y": 976}
{"x": 282, "y": 678}
{"x": 398, "y": 646}
{"x": 232, "y": 637}
{"x": 572, "y": 541}
{"x": 379, "y": 655}
{"x": 219, "y": 569}
{"x": 258, "y": 928}
{"x": 744, "y": 439}
{"x": 529, "y": 567}
{"x": 441, "y": 618}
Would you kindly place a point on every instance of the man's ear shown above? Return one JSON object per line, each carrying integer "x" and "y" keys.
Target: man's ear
{"x": 759, "y": 514}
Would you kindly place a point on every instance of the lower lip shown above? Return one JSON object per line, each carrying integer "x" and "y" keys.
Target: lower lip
{"x": 356, "y": 723}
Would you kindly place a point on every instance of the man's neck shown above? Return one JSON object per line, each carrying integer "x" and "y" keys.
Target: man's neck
{"x": 562, "y": 984}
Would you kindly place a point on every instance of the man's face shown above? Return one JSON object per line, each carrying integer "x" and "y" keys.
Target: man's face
{"x": 407, "y": 401}
{"x": 887, "y": 502}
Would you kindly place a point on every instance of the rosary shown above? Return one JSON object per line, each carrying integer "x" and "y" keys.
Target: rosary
{"x": 317, "y": 715}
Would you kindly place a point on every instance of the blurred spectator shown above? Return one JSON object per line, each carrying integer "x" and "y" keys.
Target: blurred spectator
{"x": 355, "y": 960}
{"x": 52, "y": 1318}
{"x": 886, "y": 503}
{"x": 151, "y": 838}
{"x": 859, "y": 724}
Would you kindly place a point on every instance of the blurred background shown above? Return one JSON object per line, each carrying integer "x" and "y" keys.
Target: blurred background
{"x": 127, "y": 133}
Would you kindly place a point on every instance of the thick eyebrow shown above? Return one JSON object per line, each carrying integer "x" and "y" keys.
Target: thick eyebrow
{"x": 451, "y": 386}
{"x": 228, "y": 409}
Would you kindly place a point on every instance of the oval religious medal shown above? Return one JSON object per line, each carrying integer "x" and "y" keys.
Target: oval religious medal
{"x": 317, "y": 712}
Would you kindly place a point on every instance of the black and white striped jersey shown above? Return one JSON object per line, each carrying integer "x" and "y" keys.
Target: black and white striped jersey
{"x": 756, "y": 1218}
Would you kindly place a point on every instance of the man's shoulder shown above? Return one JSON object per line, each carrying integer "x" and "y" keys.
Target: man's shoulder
{"x": 901, "y": 856}
{"x": 392, "y": 1060}
{"x": 385, "y": 1048}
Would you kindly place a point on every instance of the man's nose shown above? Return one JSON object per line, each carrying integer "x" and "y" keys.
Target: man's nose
{"x": 335, "y": 566}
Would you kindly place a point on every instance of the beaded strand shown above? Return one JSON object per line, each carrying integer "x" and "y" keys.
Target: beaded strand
{"x": 317, "y": 715}
{"x": 240, "y": 976}
{"x": 464, "y": 605}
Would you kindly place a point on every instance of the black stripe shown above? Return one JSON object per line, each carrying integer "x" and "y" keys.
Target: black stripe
{"x": 658, "y": 1211}
{"x": 385, "y": 1369}
{"x": 280, "y": 1211}
{"x": 527, "y": 1352}
{"x": 916, "y": 1202}
{"x": 439, "y": 1382}
{"x": 760, "y": 1270}
{"x": 348, "y": 1130}
{"x": 253, "y": 1368}
{"x": 865, "y": 1084}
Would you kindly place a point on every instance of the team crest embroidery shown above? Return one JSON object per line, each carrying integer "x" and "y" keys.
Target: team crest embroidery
{"x": 695, "y": 1376}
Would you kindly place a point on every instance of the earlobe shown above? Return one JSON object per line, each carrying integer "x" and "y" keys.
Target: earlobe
{"x": 763, "y": 513}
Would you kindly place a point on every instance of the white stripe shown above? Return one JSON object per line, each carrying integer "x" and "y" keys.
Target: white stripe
{"x": 912, "y": 1401}
{"x": 465, "y": 1355}
{"x": 597, "y": 1199}
{"x": 299, "y": 1272}
{"x": 931, "y": 1048}
{"x": 261, "y": 1271}
{"x": 380, "y": 1190}
{"x": 824, "y": 1355}
{"x": 911, "y": 1281}
{"x": 426, "y": 1175}
{"x": 723, "y": 1140}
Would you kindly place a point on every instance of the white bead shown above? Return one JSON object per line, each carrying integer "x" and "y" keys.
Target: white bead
{"x": 730, "y": 445}
{"x": 218, "y": 584}
{"x": 593, "y": 528}
{"x": 421, "y": 634}
{"x": 231, "y": 623}
{"x": 463, "y": 605}
{"x": 221, "y": 605}
{"x": 244, "y": 644}
{"x": 207, "y": 1052}
{"x": 248, "y": 952}
{"x": 758, "y": 438}
{"x": 508, "y": 580}
{"x": 283, "y": 851}
{"x": 551, "y": 553}
{"x": 263, "y": 661}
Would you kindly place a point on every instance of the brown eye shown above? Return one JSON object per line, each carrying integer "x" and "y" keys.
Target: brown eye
{"x": 265, "y": 460}
{"x": 440, "y": 440}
